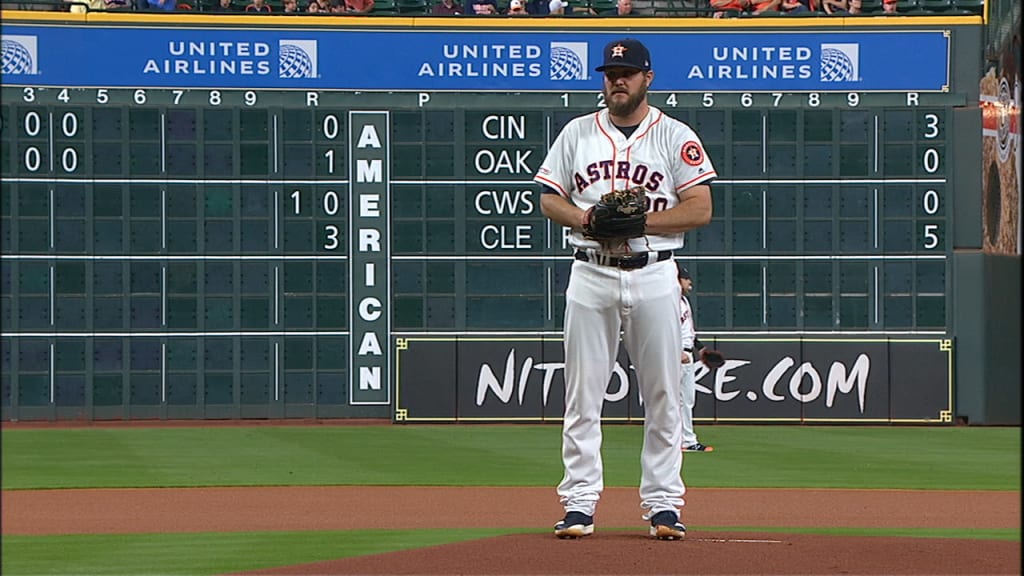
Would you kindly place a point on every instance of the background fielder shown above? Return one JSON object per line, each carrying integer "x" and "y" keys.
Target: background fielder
{"x": 627, "y": 285}
{"x": 689, "y": 357}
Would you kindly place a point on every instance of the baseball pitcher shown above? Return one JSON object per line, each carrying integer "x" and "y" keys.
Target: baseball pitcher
{"x": 629, "y": 181}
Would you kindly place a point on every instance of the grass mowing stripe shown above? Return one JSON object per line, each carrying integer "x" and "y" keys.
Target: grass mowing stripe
{"x": 218, "y": 553}
{"x": 948, "y": 458}
{"x": 208, "y": 553}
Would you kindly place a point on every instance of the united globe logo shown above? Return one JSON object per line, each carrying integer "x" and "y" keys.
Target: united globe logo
{"x": 297, "y": 59}
{"x": 1007, "y": 107}
{"x": 20, "y": 55}
{"x": 840, "y": 62}
{"x": 569, "y": 61}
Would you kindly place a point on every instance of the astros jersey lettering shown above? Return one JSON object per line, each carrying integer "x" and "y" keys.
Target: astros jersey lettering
{"x": 591, "y": 157}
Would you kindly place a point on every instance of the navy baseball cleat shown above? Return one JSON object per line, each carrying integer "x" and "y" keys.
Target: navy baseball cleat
{"x": 575, "y": 525}
{"x": 665, "y": 525}
{"x": 698, "y": 447}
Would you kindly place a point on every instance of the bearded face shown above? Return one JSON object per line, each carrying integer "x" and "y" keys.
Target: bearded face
{"x": 624, "y": 91}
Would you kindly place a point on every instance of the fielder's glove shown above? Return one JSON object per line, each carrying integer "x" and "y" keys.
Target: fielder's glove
{"x": 620, "y": 214}
{"x": 712, "y": 358}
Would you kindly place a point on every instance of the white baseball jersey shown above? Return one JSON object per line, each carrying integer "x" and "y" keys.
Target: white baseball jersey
{"x": 687, "y": 384}
{"x": 686, "y": 324}
{"x": 591, "y": 157}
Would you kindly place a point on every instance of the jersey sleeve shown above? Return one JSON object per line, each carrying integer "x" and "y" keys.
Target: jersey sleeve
{"x": 692, "y": 165}
{"x": 556, "y": 170}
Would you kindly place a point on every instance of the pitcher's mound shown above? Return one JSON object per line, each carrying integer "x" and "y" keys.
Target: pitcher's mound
{"x": 617, "y": 553}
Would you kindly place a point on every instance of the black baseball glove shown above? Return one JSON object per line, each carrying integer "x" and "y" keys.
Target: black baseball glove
{"x": 620, "y": 214}
{"x": 712, "y": 358}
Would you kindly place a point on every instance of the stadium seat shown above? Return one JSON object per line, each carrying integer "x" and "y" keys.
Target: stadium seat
{"x": 970, "y": 6}
{"x": 412, "y": 7}
{"x": 675, "y": 8}
{"x": 908, "y": 6}
{"x": 870, "y": 7}
{"x": 935, "y": 6}
{"x": 385, "y": 7}
{"x": 578, "y": 7}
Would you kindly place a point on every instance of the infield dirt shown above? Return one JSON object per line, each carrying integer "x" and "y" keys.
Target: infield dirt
{"x": 620, "y": 545}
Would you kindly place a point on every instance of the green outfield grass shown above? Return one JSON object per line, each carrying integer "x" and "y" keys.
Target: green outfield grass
{"x": 946, "y": 458}
{"x": 784, "y": 456}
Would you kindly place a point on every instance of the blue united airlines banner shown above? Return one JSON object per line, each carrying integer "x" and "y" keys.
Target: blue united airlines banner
{"x": 513, "y": 60}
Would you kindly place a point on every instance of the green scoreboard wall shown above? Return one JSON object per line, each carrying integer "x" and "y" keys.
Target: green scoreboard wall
{"x": 232, "y": 252}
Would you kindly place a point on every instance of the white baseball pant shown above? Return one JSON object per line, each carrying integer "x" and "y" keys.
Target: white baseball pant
{"x": 687, "y": 400}
{"x": 644, "y": 305}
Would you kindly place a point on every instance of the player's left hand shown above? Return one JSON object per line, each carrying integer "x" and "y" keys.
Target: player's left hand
{"x": 712, "y": 358}
{"x": 620, "y": 214}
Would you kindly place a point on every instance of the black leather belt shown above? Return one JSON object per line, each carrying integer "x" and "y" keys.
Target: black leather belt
{"x": 631, "y": 262}
{"x": 690, "y": 350}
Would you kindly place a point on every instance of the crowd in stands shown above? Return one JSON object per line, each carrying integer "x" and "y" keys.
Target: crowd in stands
{"x": 808, "y": 7}
{"x": 551, "y": 8}
{"x": 221, "y": 6}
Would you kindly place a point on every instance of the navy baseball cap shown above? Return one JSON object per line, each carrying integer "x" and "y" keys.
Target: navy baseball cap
{"x": 627, "y": 53}
{"x": 683, "y": 272}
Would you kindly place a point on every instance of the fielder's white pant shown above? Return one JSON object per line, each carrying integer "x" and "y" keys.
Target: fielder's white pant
{"x": 687, "y": 399}
{"x": 644, "y": 304}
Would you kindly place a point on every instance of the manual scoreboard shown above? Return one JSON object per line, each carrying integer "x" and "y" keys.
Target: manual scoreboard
{"x": 226, "y": 252}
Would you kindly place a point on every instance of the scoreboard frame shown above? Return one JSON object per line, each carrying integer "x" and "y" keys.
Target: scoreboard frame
{"x": 410, "y": 271}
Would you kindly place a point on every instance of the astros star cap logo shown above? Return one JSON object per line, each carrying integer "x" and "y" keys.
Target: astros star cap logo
{"x": 626, "y": 53}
